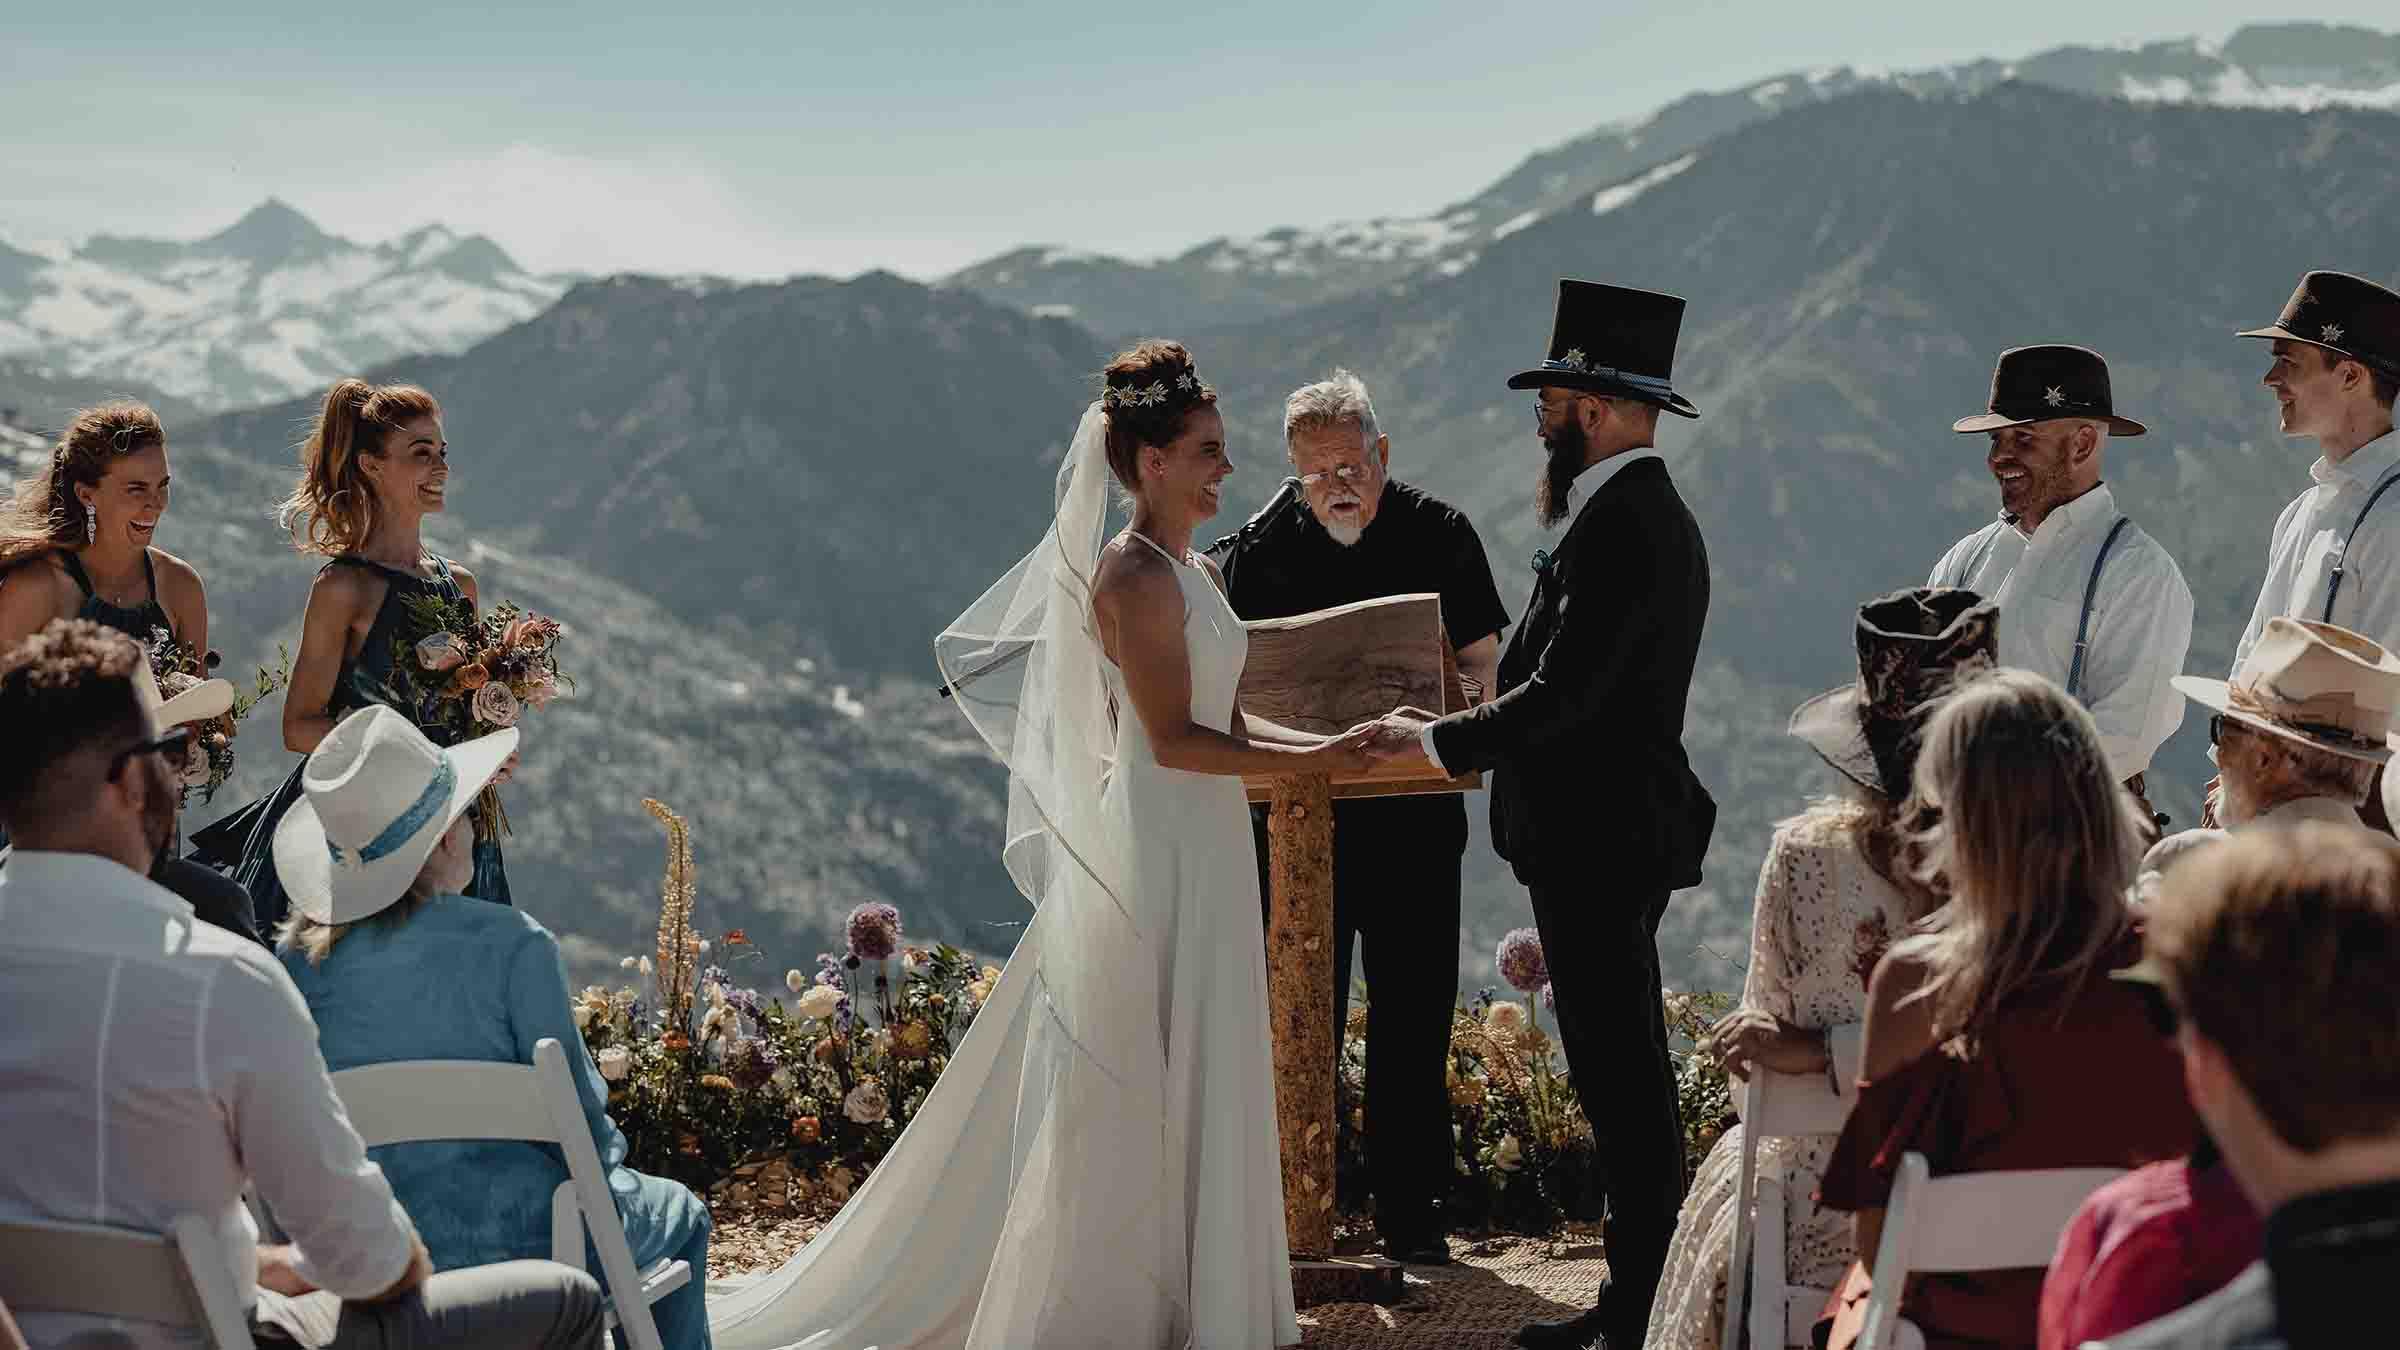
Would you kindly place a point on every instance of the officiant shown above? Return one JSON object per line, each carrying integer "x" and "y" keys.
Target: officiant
{"x": 1347, "y": 531}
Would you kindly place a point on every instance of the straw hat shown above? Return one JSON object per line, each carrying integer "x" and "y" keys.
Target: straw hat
{"x": 2313, "y": 684}
{"x": 375, "y": 798}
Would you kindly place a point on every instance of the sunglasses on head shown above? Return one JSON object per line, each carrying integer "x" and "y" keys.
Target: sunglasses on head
{"x": 172, "y": 744}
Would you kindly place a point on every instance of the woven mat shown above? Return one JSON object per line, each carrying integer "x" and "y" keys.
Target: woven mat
{"x": 1492, "y": 1288}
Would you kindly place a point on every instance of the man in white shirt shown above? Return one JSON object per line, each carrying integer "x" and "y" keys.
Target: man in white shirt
{"x": 2086, "y": 597}
{"x": 2335, "y": 554}
{"x": 151, "y": 1065}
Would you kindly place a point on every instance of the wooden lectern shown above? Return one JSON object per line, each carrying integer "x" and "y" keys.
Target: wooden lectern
{"x": 1326, "y": 672}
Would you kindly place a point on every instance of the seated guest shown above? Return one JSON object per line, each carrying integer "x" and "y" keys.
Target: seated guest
{"x": 2279, "y": 954}
{"x": 2152, "y": 1241}
{"x": 154, "y": 1066}
{"x": 1994, "y": 1039}
{"x": 2299, "y": 732}
{"x": 1835, "y": 891}
{"x": 396, "y": 964}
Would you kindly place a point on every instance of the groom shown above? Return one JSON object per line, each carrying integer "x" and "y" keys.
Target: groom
{"x": 1593, "y": 803}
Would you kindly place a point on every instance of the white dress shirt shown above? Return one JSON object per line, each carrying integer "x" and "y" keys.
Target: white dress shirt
{"x": 1592, "y": 480}
{"x": 2308, "y": 536}
{"x": 2141, "y": 625}
{"x": 150, "y": 1065}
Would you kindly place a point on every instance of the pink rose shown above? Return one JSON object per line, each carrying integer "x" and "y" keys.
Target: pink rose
{"x": 495, "y": 706}
{"x": 442, "y": 651}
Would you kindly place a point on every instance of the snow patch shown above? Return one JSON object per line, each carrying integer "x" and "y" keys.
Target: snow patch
{"x": 1609, "y": 199}
{"x": 1513, "y": 224}
{"x": 1053, "y": 311}
{"x": 846, "y": 705}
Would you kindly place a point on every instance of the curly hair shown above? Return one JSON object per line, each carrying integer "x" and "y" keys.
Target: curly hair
{"x": 1148, "y": 391}
{"x": 65, "y": 688}
{"x": 43, "y": 513}
{"x": 332, "y": 508}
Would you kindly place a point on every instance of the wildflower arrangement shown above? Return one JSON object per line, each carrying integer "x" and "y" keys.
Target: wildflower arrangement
{"x": 786, "y": 1097}
{"x": 459, "y": 676}
{"x": 178, "y": 666}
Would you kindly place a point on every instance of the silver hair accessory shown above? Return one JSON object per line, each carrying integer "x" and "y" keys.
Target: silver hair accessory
{"x": 91, "y": 522}
{"x": 1149, "y": 395}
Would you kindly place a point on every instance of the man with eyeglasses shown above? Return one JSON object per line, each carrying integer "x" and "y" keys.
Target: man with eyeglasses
{"x": 1352, "y": 532}
{"x": 2299, "y": 732}
{"x": 152, "y": 1066}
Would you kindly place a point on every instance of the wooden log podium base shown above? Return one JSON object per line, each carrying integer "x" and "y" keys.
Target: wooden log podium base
{"x": 1347, "y": 1279}
{"x": 1300, "y": 1002}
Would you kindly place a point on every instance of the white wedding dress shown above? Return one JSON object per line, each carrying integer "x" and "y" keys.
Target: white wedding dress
{"x": 1097, "y": 1166}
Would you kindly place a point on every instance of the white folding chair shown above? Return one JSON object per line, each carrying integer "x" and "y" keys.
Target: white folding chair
{"x": 1780, "y": 1314}
{"x": 180, "y": 1278}
{"x": 1971, "y": 1221}
{"x": 417, "y": 1100}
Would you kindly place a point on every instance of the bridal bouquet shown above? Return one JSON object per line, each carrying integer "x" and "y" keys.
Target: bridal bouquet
{"x": 462, "y": 676}
{"x": 178, "y": 667}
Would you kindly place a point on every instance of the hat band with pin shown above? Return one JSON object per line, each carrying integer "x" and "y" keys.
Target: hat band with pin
{"x": 395, "y": 836}
{"x": 1573, "y": 363}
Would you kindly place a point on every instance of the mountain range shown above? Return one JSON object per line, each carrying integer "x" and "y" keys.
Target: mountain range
{"x": 756, "y": 503}
{"x": 1233, "y": 280}
{"x": 263, "y": 309}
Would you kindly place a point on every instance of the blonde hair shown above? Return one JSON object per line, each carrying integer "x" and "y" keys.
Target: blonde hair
{"x": 43, "y": 514}
{"x": 332, "y": 508}
{"x": 2034, "y": 838}
{"x": 314, "y": 939}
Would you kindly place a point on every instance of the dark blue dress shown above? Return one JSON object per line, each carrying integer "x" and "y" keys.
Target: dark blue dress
{"x": 243, "y": 843}
{"x": 140, "y": 622}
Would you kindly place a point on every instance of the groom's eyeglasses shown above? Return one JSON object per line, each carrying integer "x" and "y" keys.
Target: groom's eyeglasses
{"x": 172, "y": 744}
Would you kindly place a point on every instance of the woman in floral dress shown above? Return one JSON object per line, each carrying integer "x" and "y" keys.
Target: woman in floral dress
{"x": 1835, "y": 891}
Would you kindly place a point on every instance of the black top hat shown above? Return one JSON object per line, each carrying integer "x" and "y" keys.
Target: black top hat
{"x": 1613, "y": 340}
{"x": 2036, "y": 384}
{"x": 2341, "y": 313}
{"x": 1912, "y": 646}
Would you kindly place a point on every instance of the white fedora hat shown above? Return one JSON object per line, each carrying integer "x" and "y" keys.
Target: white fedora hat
{"x": 207, "y": 699}
{"x": 2315, "y": 684}
{"x": 375, "y": 798}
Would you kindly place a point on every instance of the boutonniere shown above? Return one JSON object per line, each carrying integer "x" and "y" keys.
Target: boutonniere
{"x": 1541, "y": 562}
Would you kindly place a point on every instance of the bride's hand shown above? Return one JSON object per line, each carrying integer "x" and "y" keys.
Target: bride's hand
{"x": 1353, "y": 751}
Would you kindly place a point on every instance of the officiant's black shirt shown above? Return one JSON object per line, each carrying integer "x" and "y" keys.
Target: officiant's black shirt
{"x": 1284, "y": 563}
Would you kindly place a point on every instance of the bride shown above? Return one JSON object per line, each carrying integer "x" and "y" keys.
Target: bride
{"x": 1098, "y": 1164}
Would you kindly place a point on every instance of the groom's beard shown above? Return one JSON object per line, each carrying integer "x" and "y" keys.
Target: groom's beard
{"x": 1567, "y": 448}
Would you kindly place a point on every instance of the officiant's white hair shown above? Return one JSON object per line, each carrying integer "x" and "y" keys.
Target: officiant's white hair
{"x": 1330, "y": 403}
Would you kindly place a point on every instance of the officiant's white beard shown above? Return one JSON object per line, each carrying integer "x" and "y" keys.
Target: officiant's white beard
{"x": 1345, "y": 533}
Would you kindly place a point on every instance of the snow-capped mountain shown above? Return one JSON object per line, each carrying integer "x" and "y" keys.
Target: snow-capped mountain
{"x": 270, "y": 307}
{"x": 2299, "y": 66}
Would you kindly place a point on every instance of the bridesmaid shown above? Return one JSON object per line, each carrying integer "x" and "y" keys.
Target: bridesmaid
{"x": 75, "y": 541}
{"x": 372, "y": 468}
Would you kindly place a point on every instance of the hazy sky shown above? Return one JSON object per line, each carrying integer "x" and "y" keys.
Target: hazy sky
{"x": 691, "y": 137}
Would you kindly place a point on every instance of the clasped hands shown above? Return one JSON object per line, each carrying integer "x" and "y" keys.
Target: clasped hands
{"x": 1395, "y": 737}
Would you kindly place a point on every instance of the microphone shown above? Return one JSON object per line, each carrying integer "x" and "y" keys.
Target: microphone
{"x": 1284, "y": 494}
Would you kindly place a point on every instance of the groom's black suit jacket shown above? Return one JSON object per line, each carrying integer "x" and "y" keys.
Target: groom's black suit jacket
{"x": 1585, "y": 741}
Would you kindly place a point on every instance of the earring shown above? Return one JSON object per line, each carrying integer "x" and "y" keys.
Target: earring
{"x": 91, "y": 522}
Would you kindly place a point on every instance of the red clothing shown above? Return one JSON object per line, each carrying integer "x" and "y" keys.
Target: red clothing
{"x": 2063, "y": 1078}
{"x": 2143, "y": 1246}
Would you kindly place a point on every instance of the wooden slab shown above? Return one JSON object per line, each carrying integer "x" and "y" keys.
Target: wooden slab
{"x": 1331, "y": 669}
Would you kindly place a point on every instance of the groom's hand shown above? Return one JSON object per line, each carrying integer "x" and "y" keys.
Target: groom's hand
{"x": 1398, "y": 738}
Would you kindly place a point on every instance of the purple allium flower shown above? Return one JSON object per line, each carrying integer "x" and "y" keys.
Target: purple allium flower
{"x": 1519, "y": 958}
{"x": 874, "y": 931}
{"x": 753, "y": 1062}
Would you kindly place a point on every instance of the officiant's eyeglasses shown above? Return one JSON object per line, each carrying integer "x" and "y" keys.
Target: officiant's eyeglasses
{"x": 1542, "y": 412}
{"x": 1348, "y": 473}
{"x": 172, "y": 744}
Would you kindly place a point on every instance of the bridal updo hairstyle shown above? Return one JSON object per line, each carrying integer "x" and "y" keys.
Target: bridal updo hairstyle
{"x": 332, "y": 509}
{"x": 43, "y": 513}
{"x": 1150, "y": 390}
